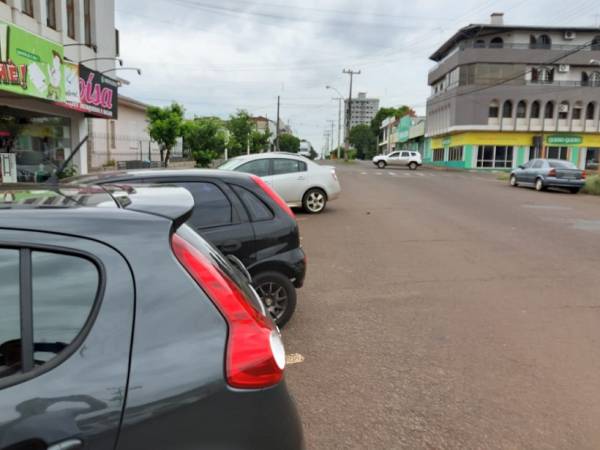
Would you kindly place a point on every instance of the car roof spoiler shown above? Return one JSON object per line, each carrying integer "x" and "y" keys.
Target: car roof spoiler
{"x": 171, "y": 202}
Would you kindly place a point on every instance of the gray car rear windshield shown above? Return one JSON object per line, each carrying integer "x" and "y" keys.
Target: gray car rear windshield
{"x": 562, "y": 165}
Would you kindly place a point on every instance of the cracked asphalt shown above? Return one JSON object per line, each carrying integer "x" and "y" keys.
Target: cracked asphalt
{"x": 448, "y": 310}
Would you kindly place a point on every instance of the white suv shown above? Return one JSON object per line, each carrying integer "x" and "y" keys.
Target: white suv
{"x": 406, "y": 158}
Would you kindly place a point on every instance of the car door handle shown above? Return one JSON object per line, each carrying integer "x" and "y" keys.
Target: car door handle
{"x": 71, "y": 444}
{"x": 230, "y": 246}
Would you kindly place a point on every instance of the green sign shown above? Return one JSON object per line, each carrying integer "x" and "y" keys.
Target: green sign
{"x": 30, "y": 65}
{"x": 564, "y": 140}
{"x": 404, "y": 128}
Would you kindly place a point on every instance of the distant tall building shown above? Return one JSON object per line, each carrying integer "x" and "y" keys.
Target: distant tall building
{"x": 363, "y": 110}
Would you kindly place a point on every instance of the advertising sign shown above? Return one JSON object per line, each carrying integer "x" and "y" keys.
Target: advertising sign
{"x": 30, "y": 65}
{"x": 91, "y": 92}
{"x": 564, "y": 140}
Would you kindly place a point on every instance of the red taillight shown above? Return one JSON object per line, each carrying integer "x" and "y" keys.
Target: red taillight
{"x": 552, "y": 173}
{"x": 274, "y": 195}
{"x": 583, "y": 175}
{"x": 255, "y": 354}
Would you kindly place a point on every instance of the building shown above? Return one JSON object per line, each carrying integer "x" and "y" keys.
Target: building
{"x": 263, "y": 124}
{"x": 503, "y": 94}
{"x": 388, "y": 135}
{"x": 406, "y": 133}
{"x": 47, "y": 94}
{"x": 363, "y": 110}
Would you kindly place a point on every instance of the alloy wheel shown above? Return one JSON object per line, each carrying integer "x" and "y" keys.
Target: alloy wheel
{"x": 274, "y": 297}
{"x": 315, "y": 201}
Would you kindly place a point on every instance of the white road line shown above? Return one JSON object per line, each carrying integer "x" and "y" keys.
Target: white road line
{"x": 407, "y": 175}
{"x": 392, "y": 174}
{"x": 420, "y": 174}
{"x": 363, "y": 173}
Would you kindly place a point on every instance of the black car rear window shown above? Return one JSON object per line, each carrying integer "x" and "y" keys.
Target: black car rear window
{"x": 212, "y": 207}
{"x": 562, "y": 165}
{"x": 255, "y": 206}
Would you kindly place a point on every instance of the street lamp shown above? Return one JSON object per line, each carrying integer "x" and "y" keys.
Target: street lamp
{"x": 107, "y": 58}
{"x": 139, "y": 71}
{"x": 339, "y": 99}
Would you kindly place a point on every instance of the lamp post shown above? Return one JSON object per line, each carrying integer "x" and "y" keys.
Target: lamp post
{"x": 340, "y": 99}
{"x": 139, "y": 71}
{"x": 107, "y": 58}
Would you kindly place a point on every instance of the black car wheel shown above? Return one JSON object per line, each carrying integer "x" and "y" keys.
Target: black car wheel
{"x": 278, "y": 294}
{"x": 381, "y": 164}
{"x": 513, "y": 181}
{"x": 314, "y": 201}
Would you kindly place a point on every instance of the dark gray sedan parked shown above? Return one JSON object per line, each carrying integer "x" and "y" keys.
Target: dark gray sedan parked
{"x": 121, "y": 328}
{"x": 549, "y": 173}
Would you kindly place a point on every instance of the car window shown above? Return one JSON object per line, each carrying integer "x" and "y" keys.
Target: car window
{"x": 405, "y": 155}
{"x": 528, "y": 164}
{"x": 10, "y": 327}
{"x": 538, "y": 164}
{"x": 562, "y": 165}
{"x": 413, "y": 154}
{"x": 259, "y": 167}
{"x": 393, "y": 155}
{"x": 284, "y": 166}
{"x": 64, "y": 291}
{"x": 212, "y": 207}
{"x": 256, "y": 207}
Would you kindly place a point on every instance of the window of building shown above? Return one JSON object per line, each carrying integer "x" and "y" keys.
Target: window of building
{"x": 594, "y": 79}
{"x": 532, "y": 41}
{"x": 494, "y": 110}
{"x": 563, "y": 111}
{"x": 596, "y": 43}
{"x": 71, "y": 18}
{"x": 507, "y": 109}
{"x": 590, "y": 111}
{"x": 499, "y": 157}
{"x": 558, "y": 153}
{"x": 544, "y": 42}
{"x": 535, "y": 152}
{"x": 577, "y": 108}
{"x": 455, "y": 154}
{"x": 592, "y": 161}
{"x": 585, "y": 79}
{"x": 438, "y": 154}
{"x": 522, "y": 109}
{"x": 212, "y": 207}
{"x": 479, "y": 43}
{"x": 10, "y": 322}
{"x": 549, "y": 110}
{"x": 259, "y": 167}
{"x": 535, "y": 110}
{"x": 285, "y": 166}
{"x": 51, "y": 14}
{"x": 87, "y": 22}
{"x": 497, "y": 42}
{"x": 27, "y": 7}
{"x": 256, "y": 208}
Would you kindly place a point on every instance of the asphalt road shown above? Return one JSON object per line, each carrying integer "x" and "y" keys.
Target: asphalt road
{"x": 448, "y": 310}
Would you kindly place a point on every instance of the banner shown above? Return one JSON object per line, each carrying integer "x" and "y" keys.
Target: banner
{"x": 90, "y": 92}
{"x": 30, "y": 65}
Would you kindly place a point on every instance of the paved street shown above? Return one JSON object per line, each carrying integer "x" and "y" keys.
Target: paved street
{"x": 448, "y": 310}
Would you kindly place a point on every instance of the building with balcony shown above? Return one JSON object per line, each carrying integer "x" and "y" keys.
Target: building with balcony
{"x": 51, "y": 82}
{"x": 503, "y": 94}
{"x": 363, "y": 110}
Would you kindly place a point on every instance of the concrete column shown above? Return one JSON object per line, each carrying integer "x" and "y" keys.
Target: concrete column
{"x": 61, "y": 18}
{"x": 79, "y": 129}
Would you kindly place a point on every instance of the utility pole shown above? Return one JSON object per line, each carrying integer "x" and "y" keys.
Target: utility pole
{"x": 326, "y": 135}
{"x": 349, "y": 111}
{"x": 339, "y": 144}
{"x": 278, "y": 119}
{"x": 332, "y": 122}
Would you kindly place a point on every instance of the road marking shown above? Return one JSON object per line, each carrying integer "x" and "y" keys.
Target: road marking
{"x": 392, "y": 174}
{"x": 379, "y": 173}
{"x": 420, "y": 174}
{"x": 294, "y": 358}
{"x": 407, "y": 175}
{"x": 363, "y": 173}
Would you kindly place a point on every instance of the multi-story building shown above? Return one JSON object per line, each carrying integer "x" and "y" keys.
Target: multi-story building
{"x": 47, "y": 94}
{"x": 503, "y": 94}
{"x": 388, "y": 135}
{"x": 363, "y": 110}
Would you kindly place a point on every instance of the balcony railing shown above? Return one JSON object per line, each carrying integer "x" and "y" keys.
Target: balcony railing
{"x": 538, "y": 46}
{"x": 590, "y": 83}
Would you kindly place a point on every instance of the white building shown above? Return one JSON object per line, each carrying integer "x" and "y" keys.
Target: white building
{"x": 41, "y": 117}
{"x": 363, "y": 110}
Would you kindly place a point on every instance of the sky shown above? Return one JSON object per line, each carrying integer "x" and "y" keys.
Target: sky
{"x": 216, "y": 57}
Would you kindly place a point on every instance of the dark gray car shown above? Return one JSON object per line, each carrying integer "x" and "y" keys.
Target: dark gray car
{"x": 121, "y": 328}
{"x": 549, "y": 173}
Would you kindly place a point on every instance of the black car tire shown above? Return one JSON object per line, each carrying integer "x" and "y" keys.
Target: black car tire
{"x": 413, "y": 166}
{"x": 381, "y": 164}
{"x": 574, "y": 190}
{"x": 278, "y": 294}
{"x": 539, "y": 185}
{"x": 314, "y": 201}
{"x": 513, "y": 181}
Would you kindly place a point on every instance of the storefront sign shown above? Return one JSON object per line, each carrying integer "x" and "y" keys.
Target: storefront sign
{"x": 564, "y": 140}
{"x": 30, "y": 65}
{"x": 91, "y": 92}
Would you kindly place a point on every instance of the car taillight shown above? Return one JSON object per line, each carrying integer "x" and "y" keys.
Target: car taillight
{"x": 274, "y": 195}
{"x": 255, "y": 353}
{"x": 334, "y": 175}
{"x": 583, "y": 175}
{"x": 552, "y": 173}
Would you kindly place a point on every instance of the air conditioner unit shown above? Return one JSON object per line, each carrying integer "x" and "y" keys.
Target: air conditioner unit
{"x": 564, "y": 68}
{"x": 570, "y": 35}
{"x": 563, "y": 108}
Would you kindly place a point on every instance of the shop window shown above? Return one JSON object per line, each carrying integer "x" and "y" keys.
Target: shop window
{"x": 507, "y": 109}
{"x": 71, "y": 18}
{"x": 27, "y": 7}
{"x": 497, "y": 42}
{"x": 549, "y": 111}
{"x": 592, "y": 161}
{"x": 51, "y": 14}
{"x": 494, "y": 110}
{"x": 455, "y": 154}
{"x": 499, "y": 157}
{"x": 87, "y": 22}
{"x": 558, "y": 153}
{"x": 534, "y": 153}
{"x": 438, "y": 154}
{"x": 590, "y": 111}
{"x": 522, "y": 109}
{"x": 563, "y": 111}
{"x": 535, "y": 110}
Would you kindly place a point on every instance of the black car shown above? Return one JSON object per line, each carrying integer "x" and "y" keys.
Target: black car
{"x": 242, "y": 216}
{"x": 121, "y": 328}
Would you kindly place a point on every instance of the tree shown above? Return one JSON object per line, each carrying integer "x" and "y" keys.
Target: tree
{"x": 240, "y": 126}
{"x": 165, "y": 127}
{"x": 205, "y": 139}
{"x": 259, "y": 141}
{"x": 364, "y": 141}
{"x": 289, "y": 143}
{"x": 384, "y": 113}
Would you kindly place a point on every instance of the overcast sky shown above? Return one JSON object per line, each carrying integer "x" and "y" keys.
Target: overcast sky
{"x": 215, "y": 57}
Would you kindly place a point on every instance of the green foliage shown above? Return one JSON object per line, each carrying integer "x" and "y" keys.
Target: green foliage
{"x": 364, "y": 141}
{"x": 68, "y": 172}
{"x": 592, "y": 185}
{"x": 384, "y": 113}
{"x": 205, "y": 139}
{"x": 289, "y": 143}
{"x": 240, "y": 126}
{"x": 259, "y": 141}
{"x": 313, "y": 153}
{"x": 165, "y": 127}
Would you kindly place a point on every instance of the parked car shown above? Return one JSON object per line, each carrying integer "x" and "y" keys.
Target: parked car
{"x": 403, "y": 158}
{"x": 241, "y": 216}
{"x": 299, "y": 181}
{"x": 121, "y": 328}
{"x": 549, "y": 173}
